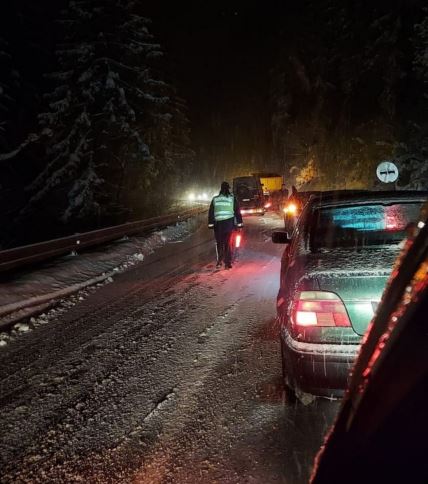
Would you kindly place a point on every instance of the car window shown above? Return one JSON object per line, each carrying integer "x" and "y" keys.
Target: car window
{"x": 248, "y": 182}
{"x": 299, "y": 233}
{"x": 246, "y": 187}
{"x": 361, "y": 225}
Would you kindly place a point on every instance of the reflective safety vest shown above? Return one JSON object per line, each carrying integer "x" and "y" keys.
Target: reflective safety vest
{"x": 223, "y": 207}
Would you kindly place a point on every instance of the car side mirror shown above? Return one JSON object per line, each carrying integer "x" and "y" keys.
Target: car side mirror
{"x": 280, "y": 237}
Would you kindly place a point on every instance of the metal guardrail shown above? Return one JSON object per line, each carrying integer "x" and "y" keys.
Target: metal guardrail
{"x": 29, "y": 254}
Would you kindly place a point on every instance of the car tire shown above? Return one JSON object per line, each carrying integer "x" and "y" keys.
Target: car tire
{"x": 289, "y": 390}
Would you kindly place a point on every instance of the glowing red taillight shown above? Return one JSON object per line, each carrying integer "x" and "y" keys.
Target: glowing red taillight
{"x": 319, "y": 308}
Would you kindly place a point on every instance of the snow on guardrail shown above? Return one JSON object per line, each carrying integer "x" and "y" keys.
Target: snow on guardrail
{"x": 29, "y": 254}
{"x": 35, "y": 293}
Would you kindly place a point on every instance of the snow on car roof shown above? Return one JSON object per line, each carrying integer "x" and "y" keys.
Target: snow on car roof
{"x": 332, "y": 198}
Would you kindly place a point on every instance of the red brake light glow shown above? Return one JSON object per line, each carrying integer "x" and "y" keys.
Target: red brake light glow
{"x": 319, "y": 308}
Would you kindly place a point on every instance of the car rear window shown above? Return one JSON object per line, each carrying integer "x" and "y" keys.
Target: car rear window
{"x": 306, "y": 195}
{"x": 362, "y": 225}
{"x": 246, "y": 187}
{"x": 246, "y": 182}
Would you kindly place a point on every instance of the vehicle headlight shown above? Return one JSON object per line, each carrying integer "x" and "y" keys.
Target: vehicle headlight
{"x": 290, "y": 209}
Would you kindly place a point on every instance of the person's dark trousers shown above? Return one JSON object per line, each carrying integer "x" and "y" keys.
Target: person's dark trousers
{"x": 223, "y": 233}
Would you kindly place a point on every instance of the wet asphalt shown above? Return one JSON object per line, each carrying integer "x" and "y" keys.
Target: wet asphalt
{"x": 170, "y": 374}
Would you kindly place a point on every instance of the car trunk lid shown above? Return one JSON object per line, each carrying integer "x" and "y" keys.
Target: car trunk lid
{"x": 360, "y": 294}
{"x": 357, "y": 277}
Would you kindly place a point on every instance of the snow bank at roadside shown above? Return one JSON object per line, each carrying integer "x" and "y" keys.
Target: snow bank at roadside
{"x": 71, "y": 278}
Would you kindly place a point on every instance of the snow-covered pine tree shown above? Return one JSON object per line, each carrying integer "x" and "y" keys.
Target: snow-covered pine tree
{"x": 340, "y": 87}
{"x": 107, "y": 117}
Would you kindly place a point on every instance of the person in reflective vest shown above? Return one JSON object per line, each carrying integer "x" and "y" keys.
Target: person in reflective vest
{"x": 223, "y": 216}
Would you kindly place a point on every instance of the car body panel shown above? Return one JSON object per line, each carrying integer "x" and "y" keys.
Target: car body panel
{"x": 322, "y": 369}
{"x": 359, "y": 292}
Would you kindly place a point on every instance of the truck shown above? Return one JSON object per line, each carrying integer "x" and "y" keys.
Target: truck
{"x": 273, "y": 190}
{"x": 249, "y": 193}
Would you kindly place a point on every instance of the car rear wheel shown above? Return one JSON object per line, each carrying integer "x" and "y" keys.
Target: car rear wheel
{"x": 290, "y": 393}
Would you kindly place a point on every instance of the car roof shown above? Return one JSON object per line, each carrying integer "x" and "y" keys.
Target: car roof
{"x": 308, "y": 193}
{"x": 343, "y": 197}
{"x": 325, "y": 193}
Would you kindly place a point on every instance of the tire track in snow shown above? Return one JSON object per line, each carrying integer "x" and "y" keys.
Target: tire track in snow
{"x": 190, "y": 284}
{"x": 226, "y": 334}
{"x": 147, "y": 416}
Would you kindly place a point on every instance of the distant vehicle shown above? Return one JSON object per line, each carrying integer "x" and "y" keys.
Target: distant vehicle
{"x": 249, "y": 193}
{"x": 294, "y": 206}
{"x": 333, "y": 273}
{"x": 272, "y": 184}
{"x": 380, "y": 434}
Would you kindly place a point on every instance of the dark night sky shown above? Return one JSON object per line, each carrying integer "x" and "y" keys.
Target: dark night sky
{"x": 270, "y": 85}
{"x": 215, "y": 46}
{"x": 221, "y": 53}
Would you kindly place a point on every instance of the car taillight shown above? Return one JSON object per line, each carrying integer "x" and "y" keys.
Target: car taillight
{"x": 291, "y": 209}
{"x": 319, "y": 308}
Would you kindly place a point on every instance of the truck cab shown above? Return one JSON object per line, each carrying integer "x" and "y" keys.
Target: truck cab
{"x": 249, "y": 193}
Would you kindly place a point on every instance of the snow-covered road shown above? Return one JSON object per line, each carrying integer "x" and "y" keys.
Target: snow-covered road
{"x": 169, "y": 374}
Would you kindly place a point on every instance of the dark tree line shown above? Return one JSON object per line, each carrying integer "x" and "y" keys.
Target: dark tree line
{"x": 91, "y": 132}
{"x": 350, "y": 89}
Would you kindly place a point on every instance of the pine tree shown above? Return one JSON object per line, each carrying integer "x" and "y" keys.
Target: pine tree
{"x": 108, "y": 117}
{"x": 338, "y": 88}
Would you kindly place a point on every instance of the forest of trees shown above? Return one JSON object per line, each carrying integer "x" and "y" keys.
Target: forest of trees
{"x": 94, "y": 132}
{"x": 349, "y": 90}
{"x": 91, "y": 131}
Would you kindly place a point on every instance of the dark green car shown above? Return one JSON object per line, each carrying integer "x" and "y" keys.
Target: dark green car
{"x": 333, "y": 272}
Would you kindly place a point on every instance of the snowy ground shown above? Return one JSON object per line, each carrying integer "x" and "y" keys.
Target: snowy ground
{"x": 171, "y": 373}
{"x": 28, "y": 294}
